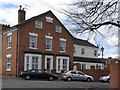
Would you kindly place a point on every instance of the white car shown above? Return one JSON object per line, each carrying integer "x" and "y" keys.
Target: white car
{"x": 105, "y": 78}
{"x": 76, "y": 75}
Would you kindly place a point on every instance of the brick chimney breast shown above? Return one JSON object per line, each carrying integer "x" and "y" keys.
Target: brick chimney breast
{"x": 21, "y": 14}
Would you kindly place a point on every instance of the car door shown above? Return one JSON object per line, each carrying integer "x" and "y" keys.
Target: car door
{"x": 33, "y": 74}
{"x": 81, "y": 76}
{"x": 42, "y": 74}
{"x": 74, "y": 75}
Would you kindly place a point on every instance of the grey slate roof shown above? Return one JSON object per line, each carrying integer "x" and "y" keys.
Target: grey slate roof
{"x": 83, "y": 42}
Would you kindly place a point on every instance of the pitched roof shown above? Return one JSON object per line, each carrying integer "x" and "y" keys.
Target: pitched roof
{"x": 83, "y": 42}
{"x": 76, "y": 40}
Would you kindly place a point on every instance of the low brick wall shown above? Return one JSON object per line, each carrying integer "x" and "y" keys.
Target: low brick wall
{"x": 96, "y": 73}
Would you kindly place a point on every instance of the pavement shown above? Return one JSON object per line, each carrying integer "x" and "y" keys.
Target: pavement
{"x": 10, "y": 77}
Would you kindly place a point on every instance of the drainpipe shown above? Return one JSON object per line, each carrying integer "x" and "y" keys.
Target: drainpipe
{"x": 17, "y": 53}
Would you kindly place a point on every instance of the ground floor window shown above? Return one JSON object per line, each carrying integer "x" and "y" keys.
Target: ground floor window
{"x": 8, "y": 62}
{"x": 62, "y": 63}
{"x": 32, "y": 61}
{"x": 83, "y": 66}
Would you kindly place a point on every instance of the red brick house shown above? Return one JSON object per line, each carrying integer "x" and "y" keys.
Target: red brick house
{"x": 40, "y": 42}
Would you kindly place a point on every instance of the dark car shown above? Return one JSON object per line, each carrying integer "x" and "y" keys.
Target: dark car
{"x": 38, "y": 74}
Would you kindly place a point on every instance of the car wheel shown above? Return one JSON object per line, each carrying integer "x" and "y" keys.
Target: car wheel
{"x": 69, "y": 79}
{"x": 89, "y": 80}
{"x": 27, "y": 77}
{"x": 51, "y": 78}
{"x": 108, "y": 80}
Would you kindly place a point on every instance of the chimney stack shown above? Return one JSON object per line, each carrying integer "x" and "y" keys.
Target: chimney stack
{"x": 21, "y": 14}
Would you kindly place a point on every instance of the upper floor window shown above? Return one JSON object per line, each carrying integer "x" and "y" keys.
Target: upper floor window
{"x": 74, "y": 49}
{"x": 48, "y": 45}
{"x": 82, "y": 51}
{"x": 58, "y": 29}
{"x": 49, "y": 19}
{"x": 38, "y": 24}
{"x": 9, "y": 40}
{"x": 95, "y": 52}
{"x": 62, "y": 45}
{"x": 33, "y": 41}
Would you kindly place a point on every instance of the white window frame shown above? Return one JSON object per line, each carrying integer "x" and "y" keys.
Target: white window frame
{"x": 83, "y": 66}
{"x": 35, "y": 63}
{"x": 49, "y": 19}
{"x": 38, "y": 24}
{"x": 8, "y": 62}
{"x": 50, "y": 38}
{"x": 9, "y": 40}
{"x": 61, "y": 63}
{"x": 30, "y": 61}
{"x": 58, "y": 29}
{"x": 63, "y": 45}
{"x": 33, "y": 35}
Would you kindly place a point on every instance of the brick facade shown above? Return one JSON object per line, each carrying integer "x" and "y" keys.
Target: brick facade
{"x": 20, "y": 43}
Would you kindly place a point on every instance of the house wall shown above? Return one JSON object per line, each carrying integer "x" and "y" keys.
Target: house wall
{"x": 9, "y": 51}
{"x": 0, "y": 52}
{"x": 20, "y": 44}
{"x": 47, "y": 30}
{"x": 89, "y": 51}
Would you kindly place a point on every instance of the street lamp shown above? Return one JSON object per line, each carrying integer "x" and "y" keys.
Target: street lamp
{"x": 102, "y": 49}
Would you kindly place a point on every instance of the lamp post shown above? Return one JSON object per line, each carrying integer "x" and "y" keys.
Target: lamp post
{"x": 102, "y": 49}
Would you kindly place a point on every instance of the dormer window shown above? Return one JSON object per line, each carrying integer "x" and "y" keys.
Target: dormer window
{"x": 58, "y": 29}
{"x": 49, "y": 19}
{"x": 38, "y": 24}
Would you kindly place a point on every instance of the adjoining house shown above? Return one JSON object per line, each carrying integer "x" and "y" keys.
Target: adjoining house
{"x": 41, "y": 42}
{"x": 86, "y": 55}
{"x": 0, "y": 51}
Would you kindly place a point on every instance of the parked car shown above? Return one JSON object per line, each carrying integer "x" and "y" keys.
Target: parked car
{"x": 76, "y": 75}
{"x": 105, "y": 78}
{"x": 38, "y": 74}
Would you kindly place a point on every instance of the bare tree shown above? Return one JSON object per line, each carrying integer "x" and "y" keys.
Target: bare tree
{"x": 90, "y": 16}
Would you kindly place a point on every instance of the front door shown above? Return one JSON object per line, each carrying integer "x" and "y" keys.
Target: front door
{"x": 49, "y": 63}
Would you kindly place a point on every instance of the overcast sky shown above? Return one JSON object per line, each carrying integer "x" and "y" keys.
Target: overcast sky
{"x": 9, "y": 8}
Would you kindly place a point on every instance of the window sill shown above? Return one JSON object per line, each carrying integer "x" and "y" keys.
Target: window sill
{"x": 8, "y": 70}
{"x": 48, "y": 49}
{"x": 9, "y": 48}
{"x": 32, "y": 48}
{"x": 63, "y": 51}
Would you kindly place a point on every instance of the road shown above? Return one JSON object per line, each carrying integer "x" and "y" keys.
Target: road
{"x": 21, "y": 83}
